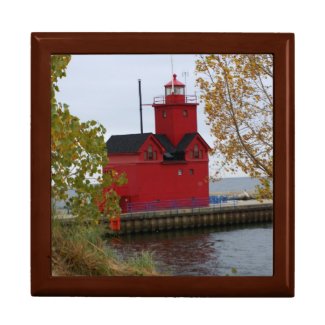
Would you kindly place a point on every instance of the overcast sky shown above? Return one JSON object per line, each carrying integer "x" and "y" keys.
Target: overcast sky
{"x": 105, "y": 88}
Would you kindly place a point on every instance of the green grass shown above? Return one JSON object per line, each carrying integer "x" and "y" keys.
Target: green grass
{"x": 78, "y": 250}
{"x": 142, "y": 262}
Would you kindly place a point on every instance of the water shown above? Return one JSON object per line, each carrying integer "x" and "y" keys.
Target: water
{"x": 205, "y": 251}
{"x": 234, "y": 184}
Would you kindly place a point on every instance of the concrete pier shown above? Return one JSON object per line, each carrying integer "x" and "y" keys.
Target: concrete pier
{"x": 195, "y": 218}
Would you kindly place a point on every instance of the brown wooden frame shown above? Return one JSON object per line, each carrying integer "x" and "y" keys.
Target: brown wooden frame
{"x": 281, "y": 46}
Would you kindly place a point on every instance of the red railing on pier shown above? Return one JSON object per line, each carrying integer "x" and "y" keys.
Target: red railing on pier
{"x": 175, "y": 204}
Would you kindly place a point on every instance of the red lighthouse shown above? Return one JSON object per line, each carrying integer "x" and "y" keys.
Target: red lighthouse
{"x": 166, "y": 169}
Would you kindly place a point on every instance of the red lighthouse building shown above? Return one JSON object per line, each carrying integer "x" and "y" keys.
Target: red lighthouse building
{"x": 168, "y": 168}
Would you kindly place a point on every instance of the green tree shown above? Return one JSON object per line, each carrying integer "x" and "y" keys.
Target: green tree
{"x": 78, "y": 157}
{"x": 237, "y": 92}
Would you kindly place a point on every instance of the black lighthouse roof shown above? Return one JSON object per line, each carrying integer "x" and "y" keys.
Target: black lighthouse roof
{"x": 131, "y": 143}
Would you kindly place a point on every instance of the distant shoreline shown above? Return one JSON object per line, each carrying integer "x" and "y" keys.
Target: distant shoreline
{"x": 233, "y": 193}
{"x": 233, "y": 186}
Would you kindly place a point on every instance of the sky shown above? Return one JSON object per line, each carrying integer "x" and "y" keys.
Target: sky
{"x": 105, "y": 88}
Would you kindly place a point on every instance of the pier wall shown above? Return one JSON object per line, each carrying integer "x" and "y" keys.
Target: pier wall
{"x": 195, "y": 218}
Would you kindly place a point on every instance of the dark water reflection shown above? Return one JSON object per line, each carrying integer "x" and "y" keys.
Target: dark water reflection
{"x": 205, "y": 251}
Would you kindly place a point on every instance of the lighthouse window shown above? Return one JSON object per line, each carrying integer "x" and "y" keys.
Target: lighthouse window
{"x": 196, "y": 151}
{"x": 179, "y": 91}
{"x": 185, "y": 113}
{"x": 150, "y": 153}
{"x": 180, "y": 172}
{"x": 164, "y": 114}
{"x": 176, "y": 91}
{"x": 191, "y": 171}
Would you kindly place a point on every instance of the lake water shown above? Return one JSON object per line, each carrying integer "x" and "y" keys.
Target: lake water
{"x": 205, "y": 251}
{"x": 234, "y": 184}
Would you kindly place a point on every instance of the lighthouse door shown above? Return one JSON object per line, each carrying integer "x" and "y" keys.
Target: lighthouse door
{"x": 124, "y": 200}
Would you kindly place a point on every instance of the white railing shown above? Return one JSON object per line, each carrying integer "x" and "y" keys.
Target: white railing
{"x": 162, "y": 99}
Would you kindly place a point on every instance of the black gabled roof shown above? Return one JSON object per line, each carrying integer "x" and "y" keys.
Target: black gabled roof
{"x": 185, "y": 141}
{"x": 182, "y": 145}
{"x": 164, "y": 141}
{"x": 126, "y": 143}
{"x": 131, "y": 143}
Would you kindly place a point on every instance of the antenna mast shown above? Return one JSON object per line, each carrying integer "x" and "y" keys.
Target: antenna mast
{"x": 171, "y": 61}
{"x": 185, "y": 74}
{"x": 140, "y": 103}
